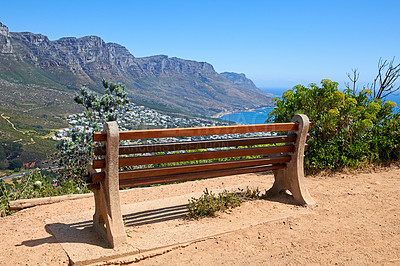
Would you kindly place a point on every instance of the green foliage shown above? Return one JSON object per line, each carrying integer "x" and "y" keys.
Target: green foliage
{"x": 208, "y": 204}
{"x": 198, "y": 161}
{"x": 36, "y": 185}
{"x": 347, "y": 130}
{"x": 2, "y": 154}
{"x": 15, "y": 165}
{"x": 104, "y": 108}
{"x": 385, "y": 139}
{"x": 74, "y": 155}
{"x": 10, "y": 150}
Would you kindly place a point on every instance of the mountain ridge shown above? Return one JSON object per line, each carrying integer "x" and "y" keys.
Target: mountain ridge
{"x": 169, "y": 82}
{"x": 39, "y": 78}
{"x": 241, "y": 80}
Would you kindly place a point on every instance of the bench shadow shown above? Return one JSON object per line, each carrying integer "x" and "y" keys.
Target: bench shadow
{"x": 83, "y": 232}
{"x": 156, "y": 215}
{"x": 80, "y": 232}
{"x": 284, "y": 198}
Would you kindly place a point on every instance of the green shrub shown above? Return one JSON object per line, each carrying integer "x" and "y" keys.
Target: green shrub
{"x": 208, "y": 204}
{"x": 73, "y": 156}
{"x": 36, "y": 185}
{"x": 385, "y": 141}
{"x": 347, "y": 130}
{"x": 15, "y": 165}
{"x": 3, "y": 165}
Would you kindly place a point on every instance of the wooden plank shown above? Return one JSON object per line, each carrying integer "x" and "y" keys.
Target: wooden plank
{"x": 151, "y": 172}
{"x": 197, "y": 175}
{"x": 94, "y": 186}
{"x": 27, "y": 203}
{"x": 193, "y": 145}
{"x": 192, "y": 176}
{"x": 95, "y": 177}
{"x": 194, "y": 156}
{"x": 197, "y": 131}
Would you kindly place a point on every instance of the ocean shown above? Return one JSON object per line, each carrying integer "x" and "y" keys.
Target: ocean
{"x": 259, "y": 116}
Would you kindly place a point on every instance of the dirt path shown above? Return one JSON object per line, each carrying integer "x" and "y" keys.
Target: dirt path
{"x": 12, "y": 125}
{"x": 357, "y": 221}
{"x": 20, "y": 131}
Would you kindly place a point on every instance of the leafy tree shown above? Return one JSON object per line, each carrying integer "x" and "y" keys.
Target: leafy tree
{"x": 3, "y": 165}
{"x": 10, "y": 149}
{"x": 2, "y": 154}
{"x": 103, "y": 108}
{"x": 74, "y": 155}
{"x": 346, "y": 128}
{"x": 15, "y": 165}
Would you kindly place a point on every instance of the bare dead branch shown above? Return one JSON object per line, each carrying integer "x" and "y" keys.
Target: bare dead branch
{"x": 384, "y": 82}
{"x": 354, "y": 76}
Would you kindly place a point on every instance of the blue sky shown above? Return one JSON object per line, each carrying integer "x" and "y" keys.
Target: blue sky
{"x": 278, "y": 44}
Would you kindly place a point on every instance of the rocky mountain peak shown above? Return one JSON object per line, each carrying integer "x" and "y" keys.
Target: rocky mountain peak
{"x": 241, "y": 80}
{"x": 168, "y": 82}
{"x": 4, "y": 30}
{"x": 5, "y": 43}
{"x": 72, "y": 52}
{"x": 162, "y": 65}
{"x": 87, "y": 41}
{"x": 32, "y": 38}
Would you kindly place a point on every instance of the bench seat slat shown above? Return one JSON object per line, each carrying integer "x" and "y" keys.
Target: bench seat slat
{"x": 197, "y": 175}
{"x": 151, "y": 172}
{"x": 171, "y": 158}
{"x": 131, "y": 149}
{"x": 197, "y": 131}
{"x": 192, "y": 176}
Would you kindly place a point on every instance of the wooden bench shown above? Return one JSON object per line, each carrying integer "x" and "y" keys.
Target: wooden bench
{"x": 283, "y": 154}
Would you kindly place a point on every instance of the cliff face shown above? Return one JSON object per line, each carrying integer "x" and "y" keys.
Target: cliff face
{"x": 76, "y": 53}
{"x": 5, "y": 43}
{"x": 69, "y": 63}
{"x": 162, "y": 65}
{"x": 241, "y": 80}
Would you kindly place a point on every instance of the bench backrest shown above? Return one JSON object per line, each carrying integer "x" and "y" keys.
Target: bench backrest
{"x": 222, "y": 156}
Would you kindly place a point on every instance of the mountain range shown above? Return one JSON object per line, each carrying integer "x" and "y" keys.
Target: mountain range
{"x": 39, "y": 78}
{"x": 171, "y": 83}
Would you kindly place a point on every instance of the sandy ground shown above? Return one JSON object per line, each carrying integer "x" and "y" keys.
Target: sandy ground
{"x": 357, "y": 221}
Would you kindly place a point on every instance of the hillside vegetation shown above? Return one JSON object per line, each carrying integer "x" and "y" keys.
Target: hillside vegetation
{"x": 68, "y": 63}
{"x": 349, "y": 129}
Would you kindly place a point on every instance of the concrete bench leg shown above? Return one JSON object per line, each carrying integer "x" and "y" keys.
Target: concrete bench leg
{"x": 107, "y": 219}
{"x": 292, "y": 177}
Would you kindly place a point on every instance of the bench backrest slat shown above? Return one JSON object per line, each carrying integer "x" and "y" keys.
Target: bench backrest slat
{"x": 171, "y": 158}
{"x": 197, "y": 131}
{"x": 193, "y": 145}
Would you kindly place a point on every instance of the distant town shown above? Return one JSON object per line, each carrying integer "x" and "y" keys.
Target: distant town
{"x": 140, "y": 117}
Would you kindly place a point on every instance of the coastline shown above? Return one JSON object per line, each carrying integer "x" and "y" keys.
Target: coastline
{"x": 239, "y": 111}
{"x": 223, "y": 113}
